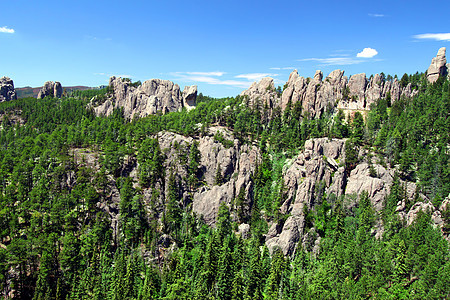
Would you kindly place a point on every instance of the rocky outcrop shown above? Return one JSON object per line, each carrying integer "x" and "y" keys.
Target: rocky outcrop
{"x": 189, "y": 96}
{"x": 318, "y": 95}
{"x": 305, "y": 181}
{"x": 438, "y": 66}
{"x": 262, "y": 94}
{"x": 7, "y": 91}
{"x": 236, "y": 164}
{"x": 151, "y": 97}
{"x": 51, "y": 89}
{"x": 319, "y": 170}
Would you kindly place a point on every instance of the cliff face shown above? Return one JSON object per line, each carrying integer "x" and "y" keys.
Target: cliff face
{"x": 319, "y": 169}
{"x": 7, "y": 91}
{"x": 315, "y": 171}
{"x": 438, "y": 66}
{"x": 149, "y": 98}
{"x": 316, "y": 94}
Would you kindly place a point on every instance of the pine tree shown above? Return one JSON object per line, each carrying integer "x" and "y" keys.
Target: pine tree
{"x": 218, "y": 180}
{"x": 225, "y": 275}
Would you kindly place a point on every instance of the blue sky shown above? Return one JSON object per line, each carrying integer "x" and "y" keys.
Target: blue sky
{"x": 222, "y": 46}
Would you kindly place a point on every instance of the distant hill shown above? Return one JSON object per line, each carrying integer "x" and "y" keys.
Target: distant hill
{"x": 28, "y": 91}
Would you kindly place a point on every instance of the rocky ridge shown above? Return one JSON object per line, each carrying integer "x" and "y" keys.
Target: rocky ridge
{"x": 317, "y": 95}
{"x": 149, "y": 98}
{"x": 52, "y": 89}
{"x": 356, "y": 93}
{"x": 319, "y": 169}
{"x": 7, "y": 91}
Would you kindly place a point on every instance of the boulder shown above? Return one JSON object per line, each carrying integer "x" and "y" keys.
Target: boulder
{"x": 7, "y": 91}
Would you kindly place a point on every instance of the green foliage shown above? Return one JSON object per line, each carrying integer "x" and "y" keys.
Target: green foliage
{"x": 74, "y": 225}
{"x": 221, "y": 139}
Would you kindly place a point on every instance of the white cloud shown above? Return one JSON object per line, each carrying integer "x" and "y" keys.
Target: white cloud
{"x": 255, "y": 76}
{"x": 367, "y": 53}
{"x": 376, "y": 15}
{"x": 204, "y": 78}
{"x": 434, "y": 36}
{"x": 5, "y": 29}
{"x": 334, "y": 61}
{"x": 217, "y": 73}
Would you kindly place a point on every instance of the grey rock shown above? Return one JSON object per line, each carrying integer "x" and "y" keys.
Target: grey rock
{"x": 237, "y": 164}
{"x": 261, "y": 94}
{"x": 244, "y": 230}
{"x": 51, "y": 89}
{"x": 7, "y": 91}
{"x": 189, "y": 96}
{"x": 377, "y": 187}
{"x": 151, "y": 97}
{"x": 357, "y": 86}
{"x": 300, "y": 180}
{"x": 294, "y": 90}
{"x": 374, "y": 89}
{"x": 437, "y": 67}
{"x": 206, "y": 202}
{"x": 419, "y": 206}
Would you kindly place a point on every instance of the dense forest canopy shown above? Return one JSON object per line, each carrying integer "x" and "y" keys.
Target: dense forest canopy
{"x": 60, "y": 164}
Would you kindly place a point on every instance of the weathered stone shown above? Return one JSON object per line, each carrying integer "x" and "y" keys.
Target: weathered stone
{"x": 374, "y": 89}
{"x": 189, "y": 96}
{"x": 437, "y": 67}
{"x": 237, "y": 164}
{"x": 300, "y": 181}
{"x": 206, "y": 202}
{"x": 262, "y": 93}
{"x": 151, "y": 97}
{"x": 51, "y": 89}
{"x": 377, "y": 187}
{"x": 7, "y": 91}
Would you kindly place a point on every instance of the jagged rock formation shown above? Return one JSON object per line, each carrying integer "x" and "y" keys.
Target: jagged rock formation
{"x": 317, "y": 95}
{"x": 236, "y": 163}
{"x": 189, "y": 96}
{"x": 262, "y": 93}
{"x": 151, "y": 97}
{"x": 7, "y": 91}
{"x": 319, "y": 169}
{"x": 52, "y": 89}
{"x": 438, "y": 66}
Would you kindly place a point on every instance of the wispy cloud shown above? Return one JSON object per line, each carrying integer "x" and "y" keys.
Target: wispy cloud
{"x": 433, "y": 36}
{"x": 255, "y": 76}
{"x": 217, "y": 73}
{"x": 5, "y": 29}
{"x": 335, "y": 61}
{"x": 283, "y": 68}
{"x": 367, "y": 53}
{"x": 210, "y": 78}
{"x": 376, "y": 15}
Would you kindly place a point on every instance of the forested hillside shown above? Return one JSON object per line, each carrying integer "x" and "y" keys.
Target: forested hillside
{"x": 95, "y": 207}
